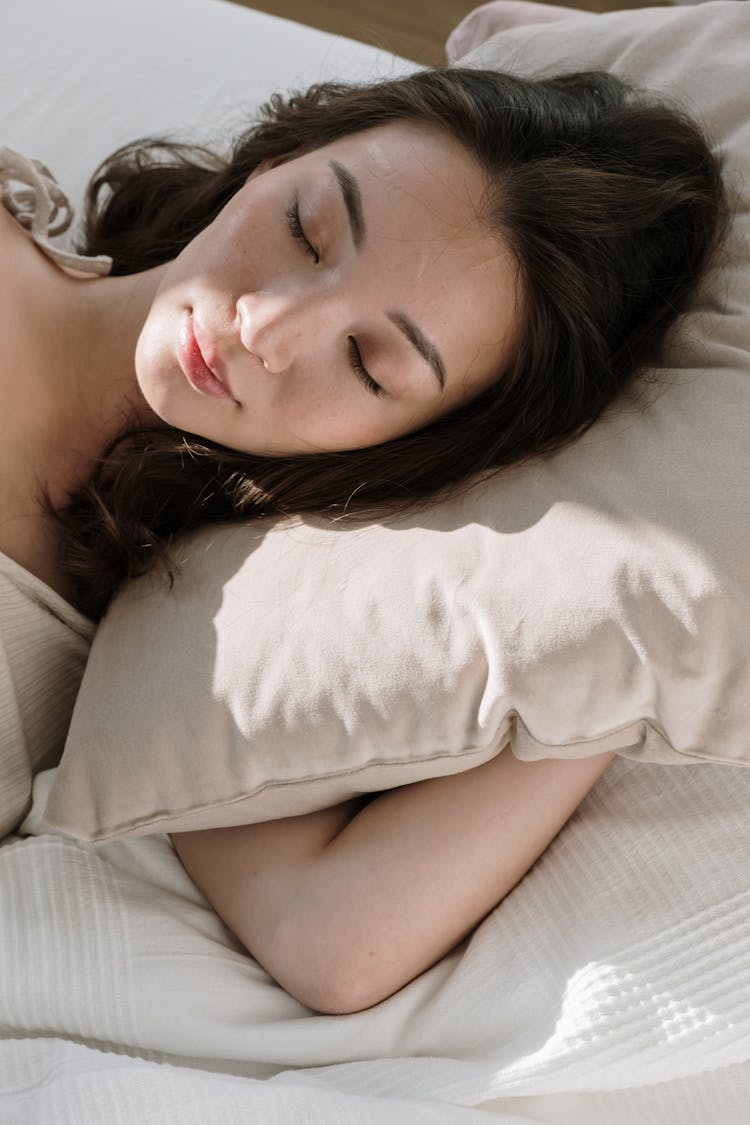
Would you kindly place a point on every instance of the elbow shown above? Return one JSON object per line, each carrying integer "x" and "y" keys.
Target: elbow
{"x": 329, "y": 971}
{"x": 336, "y": 995}
{"x": 334, "y": 985}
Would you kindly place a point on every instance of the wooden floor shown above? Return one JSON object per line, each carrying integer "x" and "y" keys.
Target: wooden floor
{"x": 416, "y": 29}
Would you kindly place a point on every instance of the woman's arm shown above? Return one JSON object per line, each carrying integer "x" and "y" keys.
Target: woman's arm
{"x": 345, "y": 906}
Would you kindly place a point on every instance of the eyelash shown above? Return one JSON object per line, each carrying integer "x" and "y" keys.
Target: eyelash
{"x": 355, "y": 356}
{"x": 297, "y": 231}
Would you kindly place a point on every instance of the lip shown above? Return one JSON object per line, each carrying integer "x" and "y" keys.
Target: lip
{"x": 199, "y": 362}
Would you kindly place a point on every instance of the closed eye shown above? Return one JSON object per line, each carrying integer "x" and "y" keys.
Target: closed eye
{"x": 297, "y": 230}
{"x": 355, "y": 358}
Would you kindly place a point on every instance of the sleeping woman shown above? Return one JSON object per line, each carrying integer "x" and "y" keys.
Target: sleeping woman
{"x": 381, "y": 293}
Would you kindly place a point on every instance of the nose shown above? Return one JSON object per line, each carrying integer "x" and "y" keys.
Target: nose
{"x": 274, "y": 327}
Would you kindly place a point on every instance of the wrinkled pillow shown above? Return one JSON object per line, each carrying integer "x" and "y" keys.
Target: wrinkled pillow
{"x": 499, "y": 15}
{"x": 598, "y": 599}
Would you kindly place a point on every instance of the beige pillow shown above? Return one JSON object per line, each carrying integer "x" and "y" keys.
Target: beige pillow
{"x": 596, "y": 600}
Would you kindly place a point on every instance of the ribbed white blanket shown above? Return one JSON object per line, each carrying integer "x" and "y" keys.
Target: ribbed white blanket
{"x": 611, "y": 987}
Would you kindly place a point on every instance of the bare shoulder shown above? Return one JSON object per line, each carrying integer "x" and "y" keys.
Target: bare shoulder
{"x": 10, "y": 227}
{"x": 15, "y": 246}
{"x": 17, "y": 251}
{"x": 24, "y": 527}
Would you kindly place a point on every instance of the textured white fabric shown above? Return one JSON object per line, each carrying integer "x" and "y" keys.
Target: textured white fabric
{"x": 44, "y": 643}
{"x": 612, "y": 985}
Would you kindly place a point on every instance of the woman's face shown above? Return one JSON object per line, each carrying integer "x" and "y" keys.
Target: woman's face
{"x": 341, "y": 298}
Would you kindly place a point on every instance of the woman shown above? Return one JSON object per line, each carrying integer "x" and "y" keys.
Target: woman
{"x": 383, "y": 292}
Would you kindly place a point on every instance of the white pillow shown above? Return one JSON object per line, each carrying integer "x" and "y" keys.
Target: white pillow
{"x": 79, "y": 79}
{"x": 595, "y": 600}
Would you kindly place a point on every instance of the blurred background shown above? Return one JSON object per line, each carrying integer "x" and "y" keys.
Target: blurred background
{"x": 416, "y": 29}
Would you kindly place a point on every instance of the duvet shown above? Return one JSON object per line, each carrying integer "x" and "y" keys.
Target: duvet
{"x": 613, "y": 984}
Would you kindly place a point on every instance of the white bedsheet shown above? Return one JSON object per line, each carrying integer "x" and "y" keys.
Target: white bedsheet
{"x": 613, "y": 985}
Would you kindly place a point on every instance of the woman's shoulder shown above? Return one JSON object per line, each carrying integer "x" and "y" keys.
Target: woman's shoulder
{"x": 9, "y": 225}
{"x": 17, "y": 255}
{"x": 21, "y": 521}
{"x": 15, "y": 244}
{"x": 16, "y": 248}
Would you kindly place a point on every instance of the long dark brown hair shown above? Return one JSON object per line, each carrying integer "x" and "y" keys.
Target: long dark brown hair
{"x": 612, "y": 204}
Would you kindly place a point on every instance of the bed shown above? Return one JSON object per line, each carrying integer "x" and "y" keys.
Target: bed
{"x": 612, "y": 985}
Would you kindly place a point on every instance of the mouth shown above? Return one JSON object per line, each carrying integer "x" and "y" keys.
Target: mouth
{"x": 199, "y": 362}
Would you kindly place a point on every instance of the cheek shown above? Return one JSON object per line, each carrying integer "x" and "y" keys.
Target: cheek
{"x": 248, "y": 232}
{"x": 316, "y": 412}
{"x": 150, "y": 356}
{"x": 157, "y": 368}
{"x": 212, "y": 259}
{"x": 329, "y": 418}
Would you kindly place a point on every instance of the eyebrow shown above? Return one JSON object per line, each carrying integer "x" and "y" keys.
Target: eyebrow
{"x": 352, "y": 201}
{"x": 425, "y": 347}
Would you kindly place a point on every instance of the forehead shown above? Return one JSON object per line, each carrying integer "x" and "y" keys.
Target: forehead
{"x": 408, "y": 167}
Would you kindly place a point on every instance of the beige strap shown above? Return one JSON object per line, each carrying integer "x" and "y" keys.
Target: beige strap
{"x": 33, "y": 196}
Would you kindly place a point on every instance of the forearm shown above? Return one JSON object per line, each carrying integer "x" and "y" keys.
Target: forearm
{"x": 255, "y": 878}
{"x": 377, "y": 894}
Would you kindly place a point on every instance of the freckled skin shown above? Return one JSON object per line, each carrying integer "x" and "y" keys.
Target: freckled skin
{"x": 282, "y": 322}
